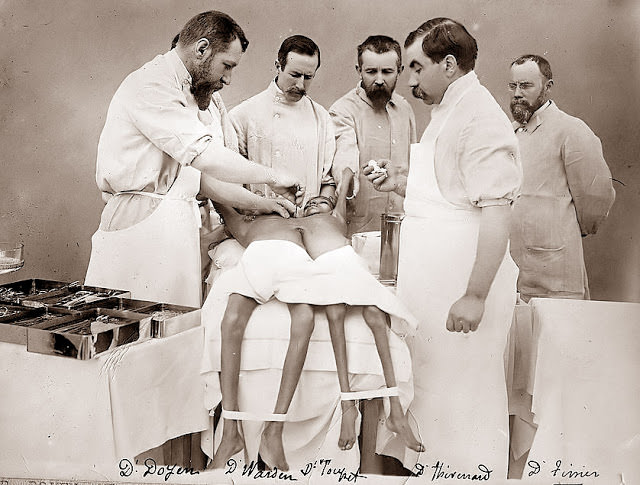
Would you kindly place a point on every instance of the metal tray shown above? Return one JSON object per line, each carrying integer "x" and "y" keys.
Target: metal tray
{"x": 14, "y": 323}
{"x": 75, "y": 296}
{"x": 167, "y": 319}
{"x": 117, "y": 303}
{"x": 85, "y": 335}
{"x": 33, "y": 289}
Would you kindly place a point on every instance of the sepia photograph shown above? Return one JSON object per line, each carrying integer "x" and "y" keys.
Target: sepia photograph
{"x": 321, "y": 242}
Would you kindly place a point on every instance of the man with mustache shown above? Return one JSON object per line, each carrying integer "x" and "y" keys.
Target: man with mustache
{"x": 166, "y": 140}
{"x": 454, "y": 271}
{"x": 566, "y": 189}
{"x": 283, "y": 128}
{"x": 372, "y": 122}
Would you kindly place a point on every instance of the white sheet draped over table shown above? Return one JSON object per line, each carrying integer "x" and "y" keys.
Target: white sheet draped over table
{"x": 579, "y": 363}
{"x": 313, "y": 425}
{"x": 66, "y": 418}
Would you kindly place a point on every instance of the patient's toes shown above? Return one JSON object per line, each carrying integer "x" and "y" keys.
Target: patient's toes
{"x": 228, "y": 447}
{"x": 271, "y": 449}
{"x": 400, "y": 426}
{"x": 348, "y": 425}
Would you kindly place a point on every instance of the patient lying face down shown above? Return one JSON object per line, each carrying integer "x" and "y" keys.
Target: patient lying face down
{"x": 282, "y": 257}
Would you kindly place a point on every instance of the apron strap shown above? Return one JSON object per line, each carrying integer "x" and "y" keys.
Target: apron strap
{"x": 140, "y": 192}
{"x": 194, "y": 202}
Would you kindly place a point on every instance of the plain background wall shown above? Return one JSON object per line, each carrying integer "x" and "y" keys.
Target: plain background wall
{"x": 61, "y": 62}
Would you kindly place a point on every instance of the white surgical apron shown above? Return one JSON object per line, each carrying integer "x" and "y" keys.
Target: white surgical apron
{"x": 158, "y": 258}
{"x": 460, "y": 402}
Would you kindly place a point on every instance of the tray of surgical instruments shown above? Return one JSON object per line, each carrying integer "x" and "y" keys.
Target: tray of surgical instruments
{"x": 161, "y": 319}
{"x": 167, "y": 319}
{"x": 84, "y": 334}
{"x": 43, "y": 293}
{"x": 15, "y": 320}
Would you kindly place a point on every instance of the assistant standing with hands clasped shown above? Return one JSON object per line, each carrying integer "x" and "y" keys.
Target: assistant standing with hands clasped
{"x": 566, "y": 188}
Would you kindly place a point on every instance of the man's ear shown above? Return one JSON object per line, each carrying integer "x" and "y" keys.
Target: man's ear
{"x": 278, "y": 66}
{"x": 201, "y": 47}
{"x": 358, "y": 69}
{"x": 400, "y": 70}
{"x": 450, "y": 64}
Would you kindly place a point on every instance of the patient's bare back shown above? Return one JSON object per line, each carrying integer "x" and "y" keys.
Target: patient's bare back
{"x": 322, "y": 233}
{"x": 318, "y": 233}
{"x": 268, "y": 227}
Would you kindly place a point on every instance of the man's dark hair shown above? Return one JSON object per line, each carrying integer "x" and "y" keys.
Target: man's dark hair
{"x": 217, "y": 27}
{"x": 174, "y": 42}
{"x": 443, "y": 37}
{"x": 543, "y": 64}
{"x": 380, "y": 44}
{"x": 300, "y": 45}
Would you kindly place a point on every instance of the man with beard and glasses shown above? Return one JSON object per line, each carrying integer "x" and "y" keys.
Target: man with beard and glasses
{"x": 455, "y": 273}
{"x": 166, "y": 139}
{"x": 283, "y": 128}
{"x": 372, "y": 122}
{"x": 566, "y": 188}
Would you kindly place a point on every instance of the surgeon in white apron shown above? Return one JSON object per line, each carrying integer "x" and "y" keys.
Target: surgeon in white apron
{"x": 446, "y": 270}
{"x": 167, "y": 139}
{"x": 157, "y": 259}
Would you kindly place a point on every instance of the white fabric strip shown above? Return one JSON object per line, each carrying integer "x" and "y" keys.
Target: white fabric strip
{"x": 242, "y": 416}
{"x": 370, "y": 394}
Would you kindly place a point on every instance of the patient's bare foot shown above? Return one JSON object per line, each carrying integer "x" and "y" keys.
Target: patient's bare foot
{"x": 398, "y": 423}
{"x": 348, "y": 425}
{"x": 230, "y": 444}
{"x": 271, "y": 448}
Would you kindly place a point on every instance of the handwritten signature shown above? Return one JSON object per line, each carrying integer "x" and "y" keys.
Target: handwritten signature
{"x": 153, "y": 469}
{"x": 560, "y": 470}
{"x": 442, "y": 471}
{"x": 323, "y": 467}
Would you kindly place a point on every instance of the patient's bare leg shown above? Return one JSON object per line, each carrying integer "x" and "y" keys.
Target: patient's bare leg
{"x": 397, "y": 422}
{"x": 302, "y": 323}
{"x": 335, "y": 315}
{"x": 236, "y": 316}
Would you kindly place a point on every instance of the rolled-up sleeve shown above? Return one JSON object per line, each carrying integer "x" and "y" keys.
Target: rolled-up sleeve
{"x": 489, "y": 162}
{"x": 588, "y": 177}
{"x": 347, "y": 153}
{"x": 329, "y": 153}
{"x": 160, "y": 113}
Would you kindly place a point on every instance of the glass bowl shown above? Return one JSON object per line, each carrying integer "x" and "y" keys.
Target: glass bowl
{"x": 11, "y": 256}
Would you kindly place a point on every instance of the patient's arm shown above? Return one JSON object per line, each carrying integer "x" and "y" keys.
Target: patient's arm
{"x": 340, "y": 210}
{"x": 235, "y": 223}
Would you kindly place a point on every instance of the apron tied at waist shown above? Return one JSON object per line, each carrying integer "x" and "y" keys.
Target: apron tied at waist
{"x": 192, "y": 200}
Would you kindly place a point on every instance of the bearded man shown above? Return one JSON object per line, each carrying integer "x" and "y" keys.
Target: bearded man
{"x": 166, "y": 140}
{"x": 372, "y": 122}
{"x": 566, "y": 191}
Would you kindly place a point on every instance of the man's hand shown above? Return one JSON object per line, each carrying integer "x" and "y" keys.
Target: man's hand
{"x": 383, "y": 181}
{"x": 465, "y": 314}
{"x": 343, "y": 179}
{"x": 280, "y": 205}
{"x": 287, "y": 186}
